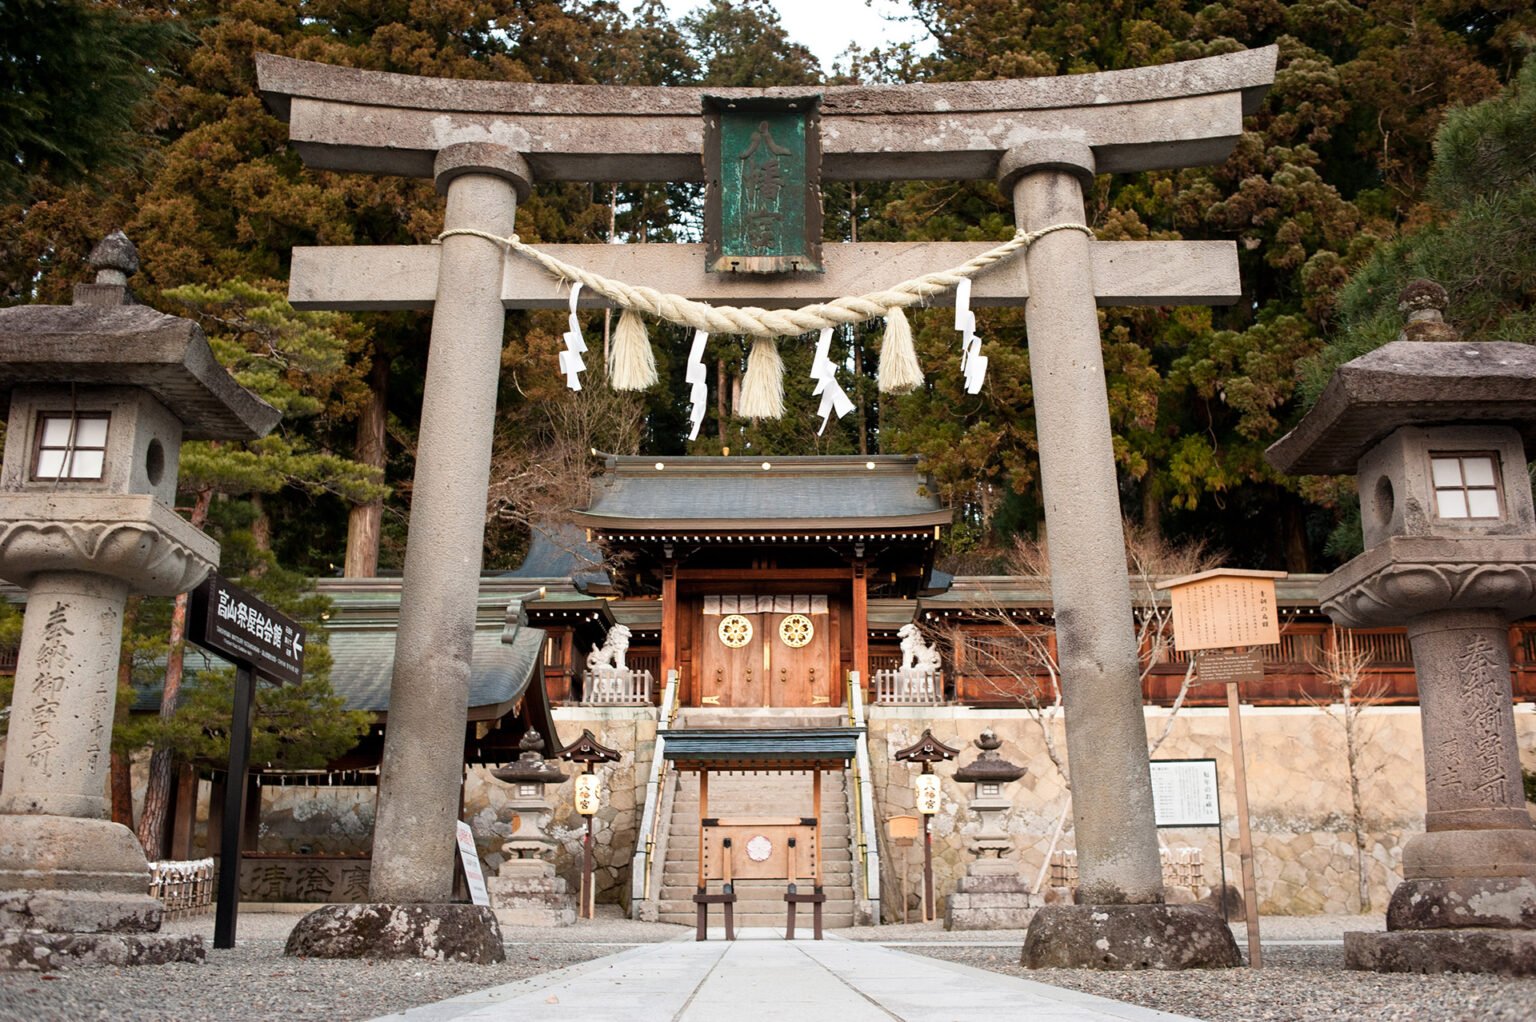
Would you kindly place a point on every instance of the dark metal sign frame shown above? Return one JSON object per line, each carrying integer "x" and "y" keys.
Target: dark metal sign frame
{"x": 762, "y": 213}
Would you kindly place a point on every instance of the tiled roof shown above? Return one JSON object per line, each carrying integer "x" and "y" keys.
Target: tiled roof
{"x": 724, "y": 492}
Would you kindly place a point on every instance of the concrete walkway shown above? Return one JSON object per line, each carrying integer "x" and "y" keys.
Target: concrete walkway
{"x": 763, "y": 978}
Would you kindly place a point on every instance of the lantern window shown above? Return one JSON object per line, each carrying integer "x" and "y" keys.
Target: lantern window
{"x": 1466, "y": 485}
{"x": 71, "y": 445}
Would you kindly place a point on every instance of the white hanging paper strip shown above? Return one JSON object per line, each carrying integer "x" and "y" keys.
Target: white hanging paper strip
{"x": 824, "y": 372}
{"x": 712, "y": 605}
{"x": 818, "y": 604}
{"x": 697, "y": 377}
{"x": 973, "y": 364}
{"x": 571, "y": 363}
{"x": 728, "y": 605}
{"x": 802, "y": 604}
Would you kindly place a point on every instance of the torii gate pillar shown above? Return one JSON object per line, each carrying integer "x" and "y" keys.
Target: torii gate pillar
{"x": 1118, "y": 860}
{"x": 422, "y": 768}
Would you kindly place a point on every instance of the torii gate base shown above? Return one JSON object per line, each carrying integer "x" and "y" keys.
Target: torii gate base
{"x": 486, "y": 142}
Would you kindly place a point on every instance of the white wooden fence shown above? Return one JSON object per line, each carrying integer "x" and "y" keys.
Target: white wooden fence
{"x": 609, "y": 687}
{"x": 898, "y": 689}
{"x": 184, "y": 887}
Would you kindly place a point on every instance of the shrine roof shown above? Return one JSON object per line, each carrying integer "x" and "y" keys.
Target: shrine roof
{"x": 763, "y": 493}
{"x": 364, "y": 662}
{"x": 760, "y": 748}
{"x": 1410, "y": 383}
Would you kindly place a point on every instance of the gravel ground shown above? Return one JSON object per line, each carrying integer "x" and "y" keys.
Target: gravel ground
{"x": 1301, "y": 982}
{"x": 254, "y": 982}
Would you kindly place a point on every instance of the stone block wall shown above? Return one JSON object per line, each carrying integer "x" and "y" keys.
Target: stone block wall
{"x": 1298, "y": 790}
{"x": 616, "y": 825}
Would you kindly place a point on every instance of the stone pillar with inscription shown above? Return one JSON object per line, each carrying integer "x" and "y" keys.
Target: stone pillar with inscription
{"x": 101, "y": 394}
{"x": 1438, "y": 432}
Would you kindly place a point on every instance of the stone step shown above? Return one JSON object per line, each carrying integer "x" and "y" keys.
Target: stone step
{"x": 831, "y": 918}
{"x": 766, "y": 717}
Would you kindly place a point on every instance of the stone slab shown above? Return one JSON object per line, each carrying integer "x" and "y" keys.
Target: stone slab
{"x": 79, "y": 912}
{"x": 1123, "y": 937}
{"x": 31, "y": 950}
{"x": 389, "y": 277}
{"x": 68, "y": 854}
{"x": 1506, "y": 952}
{"x": 435, "y": 932}
{"x": 1408, "y": 576}
{"x": 775, "y": 980}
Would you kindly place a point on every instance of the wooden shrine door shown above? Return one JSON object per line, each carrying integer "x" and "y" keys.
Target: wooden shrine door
{"x": 753, "y": 653}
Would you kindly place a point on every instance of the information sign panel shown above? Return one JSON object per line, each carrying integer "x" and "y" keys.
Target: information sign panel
{"x": 246, "y": 629}
{"x": 1220, "y": 665}
{"x": 1184, "y": 793}
{"x": 1224, "y": 609}
{"x": 470, "y": 856}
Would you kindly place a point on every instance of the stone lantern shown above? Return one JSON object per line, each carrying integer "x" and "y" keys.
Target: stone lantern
{"x": 526, "y": 891}
{"x": 101, "y": 394}
{"x": 1438, "y": 433}
{"x": 992, "y": 895}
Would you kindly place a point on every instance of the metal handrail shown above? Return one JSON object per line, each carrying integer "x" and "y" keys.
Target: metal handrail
{"x": 863, "y": 793}
{"x": 644, "y": 857}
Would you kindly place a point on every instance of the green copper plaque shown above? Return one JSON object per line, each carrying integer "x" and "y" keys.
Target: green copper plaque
{"x": 762, "y": 206}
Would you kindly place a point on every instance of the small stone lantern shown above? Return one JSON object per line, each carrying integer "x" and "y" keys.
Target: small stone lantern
{"x": 992, "y": 895}
{"x": 101, "y": 394}
{"x": 526, "y": 891}
{"x": 1438, "y": 433}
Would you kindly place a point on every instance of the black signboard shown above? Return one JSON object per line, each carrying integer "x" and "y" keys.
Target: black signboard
{"x": 243, "y": 628}
{"x": 258, "y": 640}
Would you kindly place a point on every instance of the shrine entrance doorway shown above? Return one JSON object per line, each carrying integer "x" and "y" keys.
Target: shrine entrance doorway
{"x": 766, "y": 651}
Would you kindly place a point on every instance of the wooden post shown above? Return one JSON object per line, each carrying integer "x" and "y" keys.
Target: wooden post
{"x": 927, "y": 871}
{"x": 816, "y": 808}
{"x": 861, "y": 620}
{"x": 589, "y": 887}
{"x": 1245, "y": 836}
{"x": 703, "y": 811}
{"x": 669, "y": 624}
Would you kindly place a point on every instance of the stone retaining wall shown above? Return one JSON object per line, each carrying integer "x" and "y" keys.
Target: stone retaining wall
{"x": 1298, "y": 784}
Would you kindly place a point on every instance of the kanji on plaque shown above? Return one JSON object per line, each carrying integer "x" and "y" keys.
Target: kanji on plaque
{"x": 1223, "y": 609}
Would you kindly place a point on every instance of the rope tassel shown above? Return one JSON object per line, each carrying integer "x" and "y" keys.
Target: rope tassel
{"x": 634, "y": 363}
{"x": 899, "y": 369}
{"x": 762, "y": 389}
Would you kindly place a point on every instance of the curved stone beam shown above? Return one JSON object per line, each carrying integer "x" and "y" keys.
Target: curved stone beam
{"x": 1410, "y": 576}
{"x": 129, "y": 537}
{"x": 1173, "y": 115}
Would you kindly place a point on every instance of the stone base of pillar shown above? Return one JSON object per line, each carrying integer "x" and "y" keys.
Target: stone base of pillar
{"x": 528, "y": 893}
{"x": 30, "y": 950}
{"x": 989, "y": 900}
{"x": 74, "y": 892}
{"x": 1503, "y": 903}
{"x": 1507, "y": 952}
{"x": 449, "y": 932}
{"x": 1124, "y": 937}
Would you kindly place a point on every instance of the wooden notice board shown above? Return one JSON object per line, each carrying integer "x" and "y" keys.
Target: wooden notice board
{"x": 1224, "y": 609}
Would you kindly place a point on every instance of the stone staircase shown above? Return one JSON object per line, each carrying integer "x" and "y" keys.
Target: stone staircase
{"x": 759, "y": 902}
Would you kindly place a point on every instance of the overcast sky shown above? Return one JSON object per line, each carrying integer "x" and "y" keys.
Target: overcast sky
{"x": 828, "y": 26}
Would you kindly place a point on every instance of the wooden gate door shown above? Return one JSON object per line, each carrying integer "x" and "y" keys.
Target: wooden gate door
{"x": 797, "y": 648}
{"x": 731, "y": 669}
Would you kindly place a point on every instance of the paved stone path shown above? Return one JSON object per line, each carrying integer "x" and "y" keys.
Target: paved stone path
{"x": 765, "y": 978}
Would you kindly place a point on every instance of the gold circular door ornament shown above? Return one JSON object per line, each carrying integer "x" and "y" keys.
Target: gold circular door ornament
{"x": 796, "y": 630}
{"x": 735, "y": 631}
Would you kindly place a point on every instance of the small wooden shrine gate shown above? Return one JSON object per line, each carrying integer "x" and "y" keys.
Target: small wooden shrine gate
{"x": 1042, "y": 140}
{"x": 760, "y": 848}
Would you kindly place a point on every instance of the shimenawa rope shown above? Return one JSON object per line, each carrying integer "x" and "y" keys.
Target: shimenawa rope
{"x": 728, "y": 319}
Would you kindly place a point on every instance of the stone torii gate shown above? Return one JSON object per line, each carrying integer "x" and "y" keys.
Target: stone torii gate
{"x": 486, "y": 143}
